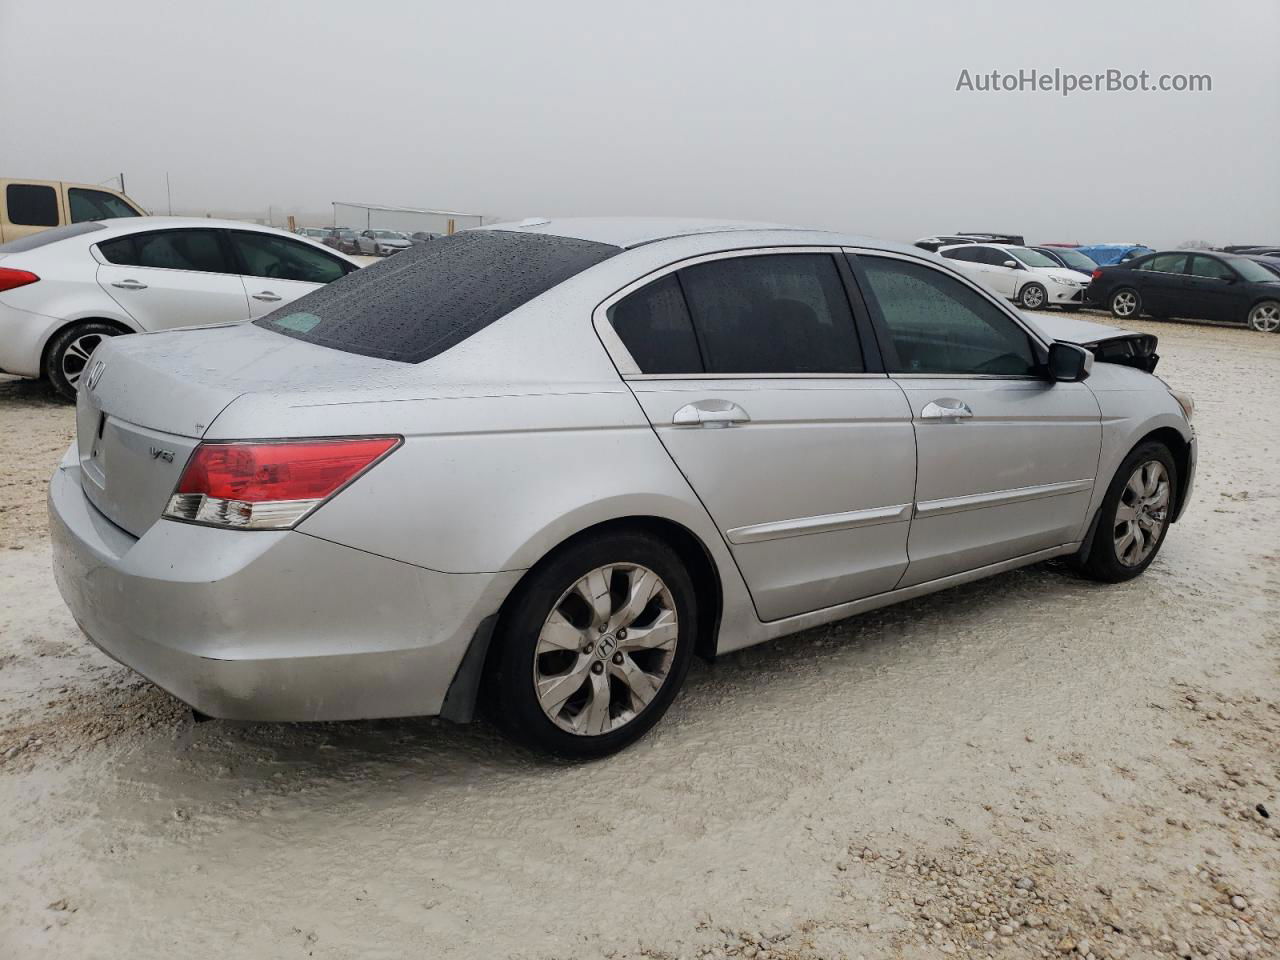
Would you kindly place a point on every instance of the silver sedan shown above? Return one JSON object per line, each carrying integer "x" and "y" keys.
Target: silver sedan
{"x": 537, "y": 468}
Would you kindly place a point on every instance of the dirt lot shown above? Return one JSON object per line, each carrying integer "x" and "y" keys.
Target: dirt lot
{"x": 1032, "y": 766}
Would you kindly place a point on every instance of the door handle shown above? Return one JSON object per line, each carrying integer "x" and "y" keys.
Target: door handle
{"x": 946, "y": 408}
{"x": 710, "y": 413}
{"x": 129, "y": 285}
{"x": 267, "y": 296}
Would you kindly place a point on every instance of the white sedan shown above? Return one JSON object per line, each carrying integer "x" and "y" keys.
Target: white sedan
{"x": 63, "y": 290}
{"x": 1020, "y": 274}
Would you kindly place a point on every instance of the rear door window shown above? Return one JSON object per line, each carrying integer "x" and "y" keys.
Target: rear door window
{"x": 96, "y": 205}
{"x": 282, "y": 258}
{"x": 199, "y": 250}
{"x": 771, "y": 314}
{"x": 654, "y": 325}
{"x": 31, "y": 205}
{"x": 1165, "y": 263}
{"x": 419, "y": 303}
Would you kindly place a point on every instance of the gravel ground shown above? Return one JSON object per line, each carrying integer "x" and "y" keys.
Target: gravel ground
{"x": 1027, "y": 767}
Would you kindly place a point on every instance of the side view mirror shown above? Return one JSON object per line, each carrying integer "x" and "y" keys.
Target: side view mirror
{"x": 1069, "y": 363}
{"x": 1013, "y": 264}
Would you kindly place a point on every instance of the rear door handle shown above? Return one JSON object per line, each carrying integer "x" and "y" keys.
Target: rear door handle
{"x": 267, "y": 296}
{"x": 946, "y": 408}
{"x": 129, "y": 285}
{"x": 710, "y": 413}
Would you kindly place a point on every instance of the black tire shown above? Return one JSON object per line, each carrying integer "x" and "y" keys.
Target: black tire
{"x": 1262, "y": 316}
{"x": 1102, "y": 562}
{"x": 1033, "y": 296}
{"x": 68, "y": 354}
{"x": 511, "y": 692}
{"x": 1132, "y": 314}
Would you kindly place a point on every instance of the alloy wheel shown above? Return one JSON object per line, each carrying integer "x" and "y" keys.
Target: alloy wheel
{"x": 1265, "y": 317}
{"x": 606, "y": 649}
{"x": 76, "y": 357}
{"x": 1124, "y": 303}
{"x": 1032, "y": 297}
{"x": 1142, "y": 513}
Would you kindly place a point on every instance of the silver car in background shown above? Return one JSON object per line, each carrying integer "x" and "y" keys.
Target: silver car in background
{"x": 538, "y": 467}
{"x": 382, "y": 243}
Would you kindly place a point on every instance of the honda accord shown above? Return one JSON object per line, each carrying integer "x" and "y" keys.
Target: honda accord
{"x": 538, "y": 467}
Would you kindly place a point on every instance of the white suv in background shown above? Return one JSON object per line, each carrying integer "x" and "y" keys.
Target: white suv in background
{"x": 63, "y": 290}
{"x": 1020, "y": 274}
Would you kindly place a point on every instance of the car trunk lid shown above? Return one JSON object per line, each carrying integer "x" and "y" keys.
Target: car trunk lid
{"x": 145, "y": 402}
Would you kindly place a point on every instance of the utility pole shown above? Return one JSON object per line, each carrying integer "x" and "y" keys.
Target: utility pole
{"x": 168, "y": 192}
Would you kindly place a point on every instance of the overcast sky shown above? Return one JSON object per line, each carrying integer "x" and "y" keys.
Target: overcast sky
{"x": 832, "y": 114}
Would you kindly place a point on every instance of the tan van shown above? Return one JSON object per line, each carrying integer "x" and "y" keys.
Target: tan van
{"x": 29, "y": 206}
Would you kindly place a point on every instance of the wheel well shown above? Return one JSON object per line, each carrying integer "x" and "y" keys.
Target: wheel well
{"x": 1181, "y": 451}
{"x": 48, "y": 344}
{"x": 690, "y": 549}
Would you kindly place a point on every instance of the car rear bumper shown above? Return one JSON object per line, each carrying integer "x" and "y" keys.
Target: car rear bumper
{"x": 263, "y": 625}
{"x": 23, "y": 335}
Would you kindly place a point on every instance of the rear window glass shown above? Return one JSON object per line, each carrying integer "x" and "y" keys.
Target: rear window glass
{"x": 36, "y": 240}
{"x": 433, "y": 296}
{"x": 32, "y": 205}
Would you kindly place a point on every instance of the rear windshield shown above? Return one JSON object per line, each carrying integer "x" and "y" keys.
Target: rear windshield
{"x": 34, "y": 240}
{"x": 434, "y": 295}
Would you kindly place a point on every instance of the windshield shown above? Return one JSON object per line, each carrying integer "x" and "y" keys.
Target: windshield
{"x": 431, "y": 297}
{"x": 1252, "y": 270}
{"x": 1078, "y": 260}
{"x": 1032, "y": 258}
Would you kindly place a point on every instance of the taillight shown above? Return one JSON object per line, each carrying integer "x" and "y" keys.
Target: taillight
{"x": 15, "y": 278}
{"x": 1097, "y": 274}
{"x": 269, "y": 485}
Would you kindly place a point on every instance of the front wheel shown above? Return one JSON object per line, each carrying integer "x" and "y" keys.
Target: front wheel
{"x": 68, "y": 354}
{"x": 1265, "y": 316}
{"x": 1032, "y": 296}
{"x": 1134, "y": 516}
{"x": 1125, "y": 304}
{"x": 594, "y": 646}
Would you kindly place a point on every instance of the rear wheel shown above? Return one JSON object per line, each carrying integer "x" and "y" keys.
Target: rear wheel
{"x": 1265, "y": 316}
{"x": 1032, "y": 296}
{"x": 594, "y": 646}
{"x": 1125, "y": 304}
{"x": 1134, "y": 516}
{"x": 68, "y": 354}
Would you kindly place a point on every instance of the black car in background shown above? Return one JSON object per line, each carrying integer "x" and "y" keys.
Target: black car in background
{"x": 1069, "y": 258}
{"x": 1269, "y": 260}
{"x": 341, "y": 238}
{"x": 1196, "y": 285}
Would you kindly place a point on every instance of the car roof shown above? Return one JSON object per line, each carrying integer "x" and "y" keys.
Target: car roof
{"x": 134, "y": 224}
{"x": 627, "y": 232}
{"x": 691, "y": 236}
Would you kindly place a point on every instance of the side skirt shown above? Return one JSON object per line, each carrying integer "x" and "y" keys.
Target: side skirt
{"x": 781, "y": 628}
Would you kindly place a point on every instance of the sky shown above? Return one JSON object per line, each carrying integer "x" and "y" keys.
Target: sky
{"x": 829, "y": 114}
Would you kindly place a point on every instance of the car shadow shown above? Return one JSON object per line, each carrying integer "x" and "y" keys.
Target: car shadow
{"x": 436, "y": 753}
{"x": 19, "y": 391}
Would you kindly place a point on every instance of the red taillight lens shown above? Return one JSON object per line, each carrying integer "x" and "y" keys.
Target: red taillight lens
{"x": 9, "y": 279}
{"x": 269, "y": 486}
{"x": 1097, "y": 273}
